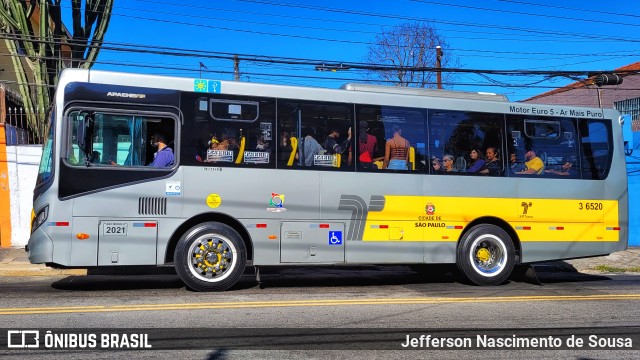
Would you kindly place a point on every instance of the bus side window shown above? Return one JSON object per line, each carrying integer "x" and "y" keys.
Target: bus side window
{"x": 318, "y": 131}
{"x": 595, "y": 137}
{"x": 399, "y": 135}
{"x": 231, "y": 131}
{"x": 456, "y": 134}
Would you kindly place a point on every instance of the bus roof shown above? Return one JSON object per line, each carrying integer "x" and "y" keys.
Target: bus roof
{"x": 424, "y": 92}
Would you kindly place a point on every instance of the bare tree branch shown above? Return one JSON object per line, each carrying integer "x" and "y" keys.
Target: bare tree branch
{"x": 407, "y": 46}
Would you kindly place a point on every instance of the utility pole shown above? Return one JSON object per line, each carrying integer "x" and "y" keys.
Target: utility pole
{"x": 202, "y": 66}
{"x": 439, "y": 66}
{"x": 236, "y": 68}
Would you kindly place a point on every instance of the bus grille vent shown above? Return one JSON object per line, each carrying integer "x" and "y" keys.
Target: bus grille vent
{"x": 152, "y": 206}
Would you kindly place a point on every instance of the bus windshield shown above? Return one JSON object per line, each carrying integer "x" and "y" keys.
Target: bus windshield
{"x": 44, "y": 170}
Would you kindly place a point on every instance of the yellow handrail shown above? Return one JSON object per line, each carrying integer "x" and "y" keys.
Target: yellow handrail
{"x": 412, "y": 157}
{"x": 241, "y": 150}
{"x": 294, "y": 148}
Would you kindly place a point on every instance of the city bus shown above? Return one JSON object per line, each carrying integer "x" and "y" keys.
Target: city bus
{"x": 269, "y": 175}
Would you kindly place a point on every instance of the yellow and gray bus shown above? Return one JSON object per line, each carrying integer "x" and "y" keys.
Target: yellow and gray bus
{"x": 267, "y": 175}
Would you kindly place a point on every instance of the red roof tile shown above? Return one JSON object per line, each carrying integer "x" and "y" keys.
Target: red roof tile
{"x": 588, "y": 81}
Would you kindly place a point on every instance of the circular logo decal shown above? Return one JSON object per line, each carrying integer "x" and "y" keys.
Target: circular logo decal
{"x": 214, "y": 200}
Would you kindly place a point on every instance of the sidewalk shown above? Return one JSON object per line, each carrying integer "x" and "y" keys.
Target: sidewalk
{"x": 14, "y": 262}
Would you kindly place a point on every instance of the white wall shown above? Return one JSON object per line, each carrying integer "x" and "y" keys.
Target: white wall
{"x": 23, "y": 161}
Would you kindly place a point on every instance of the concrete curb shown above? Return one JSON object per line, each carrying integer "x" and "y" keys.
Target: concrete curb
{"x": 14, "y": 262}
{"x": 27, "y": 269}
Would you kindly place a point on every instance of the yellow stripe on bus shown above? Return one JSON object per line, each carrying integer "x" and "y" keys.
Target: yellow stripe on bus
{"x": 427, "y": 218}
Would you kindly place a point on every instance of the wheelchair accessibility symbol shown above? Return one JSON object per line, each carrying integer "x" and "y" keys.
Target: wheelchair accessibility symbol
{"x": 335, "y": 237}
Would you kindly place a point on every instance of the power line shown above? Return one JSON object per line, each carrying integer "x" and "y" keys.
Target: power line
{"x": 324, "y": 78}
{"x": 591, "y": 21}
{"x": 182, "y": 52}
{"x": 582, "y": 36}
{"x": 599, "y": 12}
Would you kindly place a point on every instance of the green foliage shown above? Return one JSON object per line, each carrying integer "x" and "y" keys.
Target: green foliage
{"x": 614, "y": 269}
{"x": 37, "y": 38}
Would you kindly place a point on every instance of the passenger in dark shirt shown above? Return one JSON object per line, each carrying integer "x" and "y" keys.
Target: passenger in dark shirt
{"x": 493, "y": 165}
{"x": 164, "y": 156}
{"x": 565, "y": 170}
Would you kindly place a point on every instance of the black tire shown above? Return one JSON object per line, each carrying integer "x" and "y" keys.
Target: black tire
{"x": 486, "y": 255}
{"x": 210, "y": 257}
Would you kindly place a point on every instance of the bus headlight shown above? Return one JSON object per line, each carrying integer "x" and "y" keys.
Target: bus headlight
{"x": 39, "y": 218}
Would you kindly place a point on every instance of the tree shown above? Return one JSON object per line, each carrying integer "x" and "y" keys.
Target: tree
{"x": 41, "y": 47}
{"x": 408, "y": 45}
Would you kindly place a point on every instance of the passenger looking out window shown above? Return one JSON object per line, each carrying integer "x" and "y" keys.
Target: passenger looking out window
{"x": 436, "y": 165}
{"x": 449, "y": 165}
{"x": 492, "y": 166}
{"x": 476, "y": 160}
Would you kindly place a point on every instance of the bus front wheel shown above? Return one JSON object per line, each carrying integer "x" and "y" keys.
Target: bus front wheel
{"x": 486, "y": 255}
{"x": 210, "y": 257}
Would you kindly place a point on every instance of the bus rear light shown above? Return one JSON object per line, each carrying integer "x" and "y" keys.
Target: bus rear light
{"x": 384, "y": 226}
{"x": 261, "y": 226}
{"x": 615, "y": 228}
{"x": 556, "y": 227}
{"x": 58, "y": 223}
{"x": 523, "y": 227}
{"x": 324, "y": 226}
{"x": 82, "y": 236}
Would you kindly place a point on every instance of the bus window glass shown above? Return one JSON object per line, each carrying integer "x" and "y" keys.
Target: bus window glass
{"x": 230, "y": 131}
{"x": 234, "y": 110}
{"x": 45, "y": 169}
{"x": 108, "y": 139}
{"x": 550, "y": 140}
{"x": 399, "y": 137}
{"x": 458, "y": 142}
{"x": 595, "y": 137}
{"x": 314, "y": 135}
{"x": 542, "y": 129}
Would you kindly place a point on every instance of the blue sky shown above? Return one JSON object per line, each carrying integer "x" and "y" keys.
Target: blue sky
{"x": 491, "y": 34}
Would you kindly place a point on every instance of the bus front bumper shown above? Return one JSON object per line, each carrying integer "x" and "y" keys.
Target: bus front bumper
{"x": 40, "y": 248}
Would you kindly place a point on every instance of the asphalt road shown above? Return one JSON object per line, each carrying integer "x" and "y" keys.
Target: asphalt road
{"x": 383, "y": 298}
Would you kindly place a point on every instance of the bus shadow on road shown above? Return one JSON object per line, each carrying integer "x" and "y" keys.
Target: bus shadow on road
{"x": 319, "y": 276}
{"x": 369, "y": 275}
{"x": 361, "y": 275}
{"x": 117, "y": 282}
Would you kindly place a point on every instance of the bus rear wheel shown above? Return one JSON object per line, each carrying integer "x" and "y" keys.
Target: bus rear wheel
{"x": 486, "y": 255}
{"x": 210, "y": 257}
